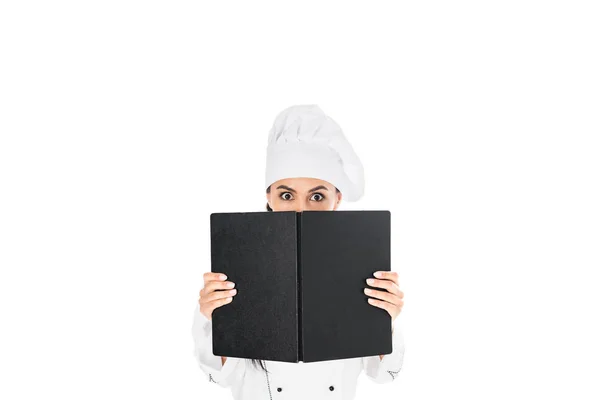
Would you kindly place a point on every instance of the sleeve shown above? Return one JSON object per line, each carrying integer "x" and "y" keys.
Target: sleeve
{"x": 386, "y": 370}
{"x": 225, "y": 375}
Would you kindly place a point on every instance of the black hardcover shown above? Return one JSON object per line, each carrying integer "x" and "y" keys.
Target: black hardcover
{"x": 300, "y": 280}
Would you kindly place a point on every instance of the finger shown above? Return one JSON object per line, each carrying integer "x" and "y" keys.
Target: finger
{"x": 382, "y": 295}
{"x": 217, "y": 295}
{"x": 215, "y": 286}
{"x": 217, "y": 290}
{"x": 213, "y": 276}
{"x": 390, "y": 275}
{"x": 384, "y": 284}
{"x": 212, "y": 286}
{"x": 210, "y": 306}
{"x": 382, "y": 304}
{"x": 219, "y": 302}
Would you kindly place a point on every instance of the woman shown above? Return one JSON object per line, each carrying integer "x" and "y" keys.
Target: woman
{"x": 310, "y": 166}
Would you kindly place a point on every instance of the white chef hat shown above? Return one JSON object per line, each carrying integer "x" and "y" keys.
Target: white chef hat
{"x": 304, "y": 142}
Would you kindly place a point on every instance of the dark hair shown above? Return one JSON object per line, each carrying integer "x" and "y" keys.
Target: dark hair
{"x": 253, "y": 360}
{"x": 260, "y": 362}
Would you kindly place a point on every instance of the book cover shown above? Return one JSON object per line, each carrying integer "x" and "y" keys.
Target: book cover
{"x": 300, "y": 280}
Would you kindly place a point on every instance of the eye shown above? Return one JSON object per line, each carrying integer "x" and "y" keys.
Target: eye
{"x": 321, "y": 197}
{"x": 284, "y": 197}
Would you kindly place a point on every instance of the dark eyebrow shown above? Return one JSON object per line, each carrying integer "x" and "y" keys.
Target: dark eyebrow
{"x": 286, "y": 187}
{"x": 317, "y": 188}
{"x": 310, "y": 191}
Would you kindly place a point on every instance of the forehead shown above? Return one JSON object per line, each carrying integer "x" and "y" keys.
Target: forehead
{"x": 302, "y": 184}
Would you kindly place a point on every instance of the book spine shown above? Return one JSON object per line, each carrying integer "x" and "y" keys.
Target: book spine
{"x": 299, "y": 281}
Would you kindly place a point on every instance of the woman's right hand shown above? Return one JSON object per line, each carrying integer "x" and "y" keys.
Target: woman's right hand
{"x": 215, "y": 293}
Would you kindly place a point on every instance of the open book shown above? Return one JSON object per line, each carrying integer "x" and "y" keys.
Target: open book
{"x": 300, "y": 280}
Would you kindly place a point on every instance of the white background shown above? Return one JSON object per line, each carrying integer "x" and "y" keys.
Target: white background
{"x": 124, "y": 124}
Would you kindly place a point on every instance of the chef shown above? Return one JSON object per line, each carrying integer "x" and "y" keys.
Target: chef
{"x": 310, "y": 166}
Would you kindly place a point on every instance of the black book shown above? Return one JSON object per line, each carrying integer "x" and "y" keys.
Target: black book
{"x": 300, "y": 280}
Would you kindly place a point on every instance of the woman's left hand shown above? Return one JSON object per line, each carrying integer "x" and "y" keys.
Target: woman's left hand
{"x": 390, "y": 300}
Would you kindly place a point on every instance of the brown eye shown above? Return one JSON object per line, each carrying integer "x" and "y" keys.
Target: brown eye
{"x": 321, "y": 197}
{"x": 284, "y": 197}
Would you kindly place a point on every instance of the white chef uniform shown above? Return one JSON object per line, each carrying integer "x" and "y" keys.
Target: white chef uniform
{"x": 303, "y": 142}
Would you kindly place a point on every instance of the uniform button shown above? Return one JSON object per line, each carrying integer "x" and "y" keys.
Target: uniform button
{"x": 331, "y": 388}
{"x": 279, "y": 389}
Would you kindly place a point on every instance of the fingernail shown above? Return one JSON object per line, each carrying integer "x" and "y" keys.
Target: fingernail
{"x": 229, "y": 299}
{"x": 223, "y": 277}
{"x": 369, "y": 281}
{"x": 377, "y": 274}
{"x": 232, "y": 291}
{"x": 230, "y": 284}
{"x": 367, "y": 291}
